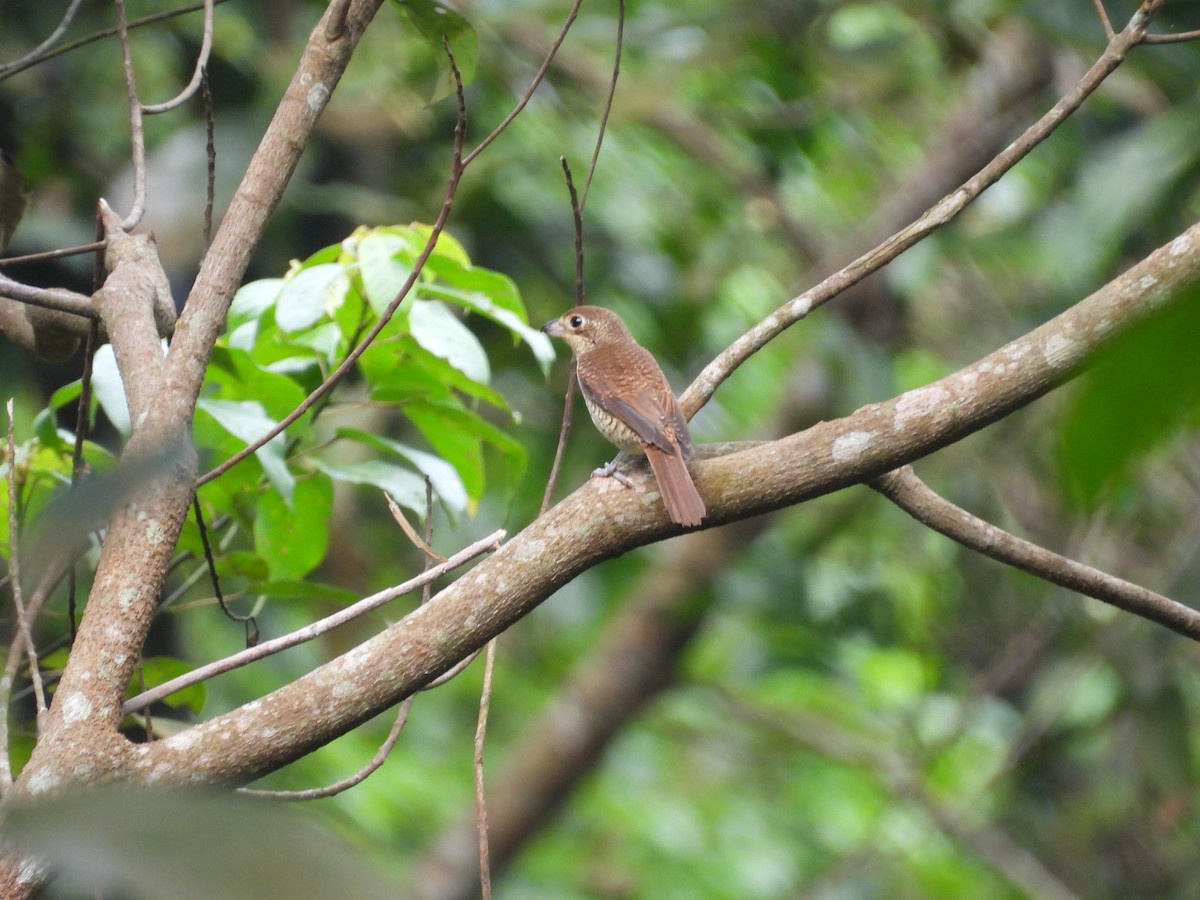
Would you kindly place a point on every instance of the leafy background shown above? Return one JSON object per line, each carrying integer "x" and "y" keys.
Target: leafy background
{"x": 867, "y": 710}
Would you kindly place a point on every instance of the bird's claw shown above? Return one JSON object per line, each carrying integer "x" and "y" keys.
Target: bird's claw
{"x": 611, "y": 470}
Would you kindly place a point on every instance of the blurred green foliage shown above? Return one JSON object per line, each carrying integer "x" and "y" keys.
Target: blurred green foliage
{"x": 868, "y": 711}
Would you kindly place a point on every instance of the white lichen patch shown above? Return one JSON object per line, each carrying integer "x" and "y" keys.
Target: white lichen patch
{"x": 1146, "y": 282}
{"x": 127, "y": 598}
{"x": 851, "y": 445}
{"x": 1181, "y": 245}
{"x": 529, "y": 549}
{"x": 76, "y": 708}
{"x": 182, "y": 741}
{"x": 1060, "y": 350}
{"x": 42, "y": 781}
{"x": 917, "y": 404}
{"x": 155, "y": 533}
{"x": 318, "y": 97}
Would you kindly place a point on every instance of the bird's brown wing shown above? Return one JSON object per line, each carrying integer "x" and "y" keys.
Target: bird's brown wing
{"x": 647, "y": 410}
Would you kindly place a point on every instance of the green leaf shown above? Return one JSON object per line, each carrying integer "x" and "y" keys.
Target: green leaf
{"x": 441, "y": 333}
{"x": 1142, "y": 393}
{"x": 308, "y": 295}
{"x": 433, "y": 21}
{"x": 406, "y": 486}
{"x": 248, "y": 421}
{"x": 293, "y": 538}
{"x": 383, "y": 264}
{"x": 240, "y": 378}
{"x": 444, "y": 477}
{"x": 253, "y": 299}
{"x": 483, "y": 302}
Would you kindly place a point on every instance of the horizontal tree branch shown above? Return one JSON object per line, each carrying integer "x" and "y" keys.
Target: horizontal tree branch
{"x": 602, "y": 520}
{"x": 916, "y": 498}
{"x": 58, "y": 299}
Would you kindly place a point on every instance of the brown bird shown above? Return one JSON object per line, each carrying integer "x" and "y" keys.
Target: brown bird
{"x": 631, "y": 403}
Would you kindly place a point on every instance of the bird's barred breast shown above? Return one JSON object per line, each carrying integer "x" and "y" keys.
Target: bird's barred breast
{"x": 613, "y": 428}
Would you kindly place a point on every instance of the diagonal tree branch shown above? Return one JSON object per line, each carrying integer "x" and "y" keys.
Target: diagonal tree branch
{"x": 916, "y": 498}
{"x": 599, "y": 521}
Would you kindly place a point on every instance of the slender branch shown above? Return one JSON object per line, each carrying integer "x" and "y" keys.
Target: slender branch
{"x": 907, "y": 491}
{"x": 481, "y": 826}
{"x": 1182, "y": 37}
{"x": 36, "y": 53}
{"x": 49, "y": 298}
{"x": 197, "y": 74}
{"x": 1104, "y": 21}
{"x": 533, "y": 86}
{"x": 313, "y": 630}
{"x": 137, "y": 132}
{"x": 608, "y": 103}
{"x": 409, "y": 532}
{"x": 51, "y": 254}
{"x": 14, "y": 68}
{"x": 358, "y": 777}
{"x": 24, "y": 616}
{"x": 942, "y": 212}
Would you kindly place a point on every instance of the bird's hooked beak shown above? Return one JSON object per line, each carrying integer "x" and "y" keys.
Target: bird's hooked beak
{"x": 554, "y": 328}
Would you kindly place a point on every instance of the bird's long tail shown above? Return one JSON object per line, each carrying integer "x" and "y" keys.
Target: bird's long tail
{"x": 684, "y": 504}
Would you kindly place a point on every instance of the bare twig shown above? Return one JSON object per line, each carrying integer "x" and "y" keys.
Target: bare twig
{"x": 942, "y": 212}
{"x": 608, "y": 103}
{"x": 313, "y": 630}
{"x": 409, "y": 532}
{"x": 197, "y": 74}
{"x": 485, "y": 700}
{"x": 564, "y": 431}
{"x": 24, "y": 617}
{"x": 1182, "y": 37}
{"x": 36, "y": 53}
{"x": 51, "y": 254}
{"x": 1103, "y": 14}
{"x": 210, "y": 149}
{"x": 49, "y": 298}
{"x": 533, "y": 85}
{"x": 358, "y": 777}
{"x": 248, "y": 620}
{"x": 137, "y": 132}
{"x": 907, "y": 491}
{"x": 14, "y": 68}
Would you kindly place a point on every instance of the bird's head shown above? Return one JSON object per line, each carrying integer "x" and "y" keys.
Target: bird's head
{"x": 585, "y": 328}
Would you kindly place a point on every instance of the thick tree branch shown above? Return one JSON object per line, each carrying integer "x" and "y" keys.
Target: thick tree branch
{"x": 81, "y": 738}
{"x": 601, "y": 520}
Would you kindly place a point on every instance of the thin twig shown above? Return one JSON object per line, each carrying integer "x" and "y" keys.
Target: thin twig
{"x": 608, "y": 103}
{"x": 14, "y": 569}
{"x": 197, "y": 74}
{"x": 564, "y": 431}
{"x": 1180, "y": 38}
{"x": 52, "y": 254}
{"x": 358, "y": 777}
{"x": 58, "y": 299}
{"x": 210, "y": 150}
{"x": 1103, "y": 14}
{"x": 907, "y": 491}
{"x": 313, "y": 630}
{"x": 249, "y": 621}
{"x": 533, "y": 86}
{"x": 137, "y": 132}
{"x": 11, "y": 69}
{"x": 410, "y": 532}
{"x": 36, "y": 53}
{"x": 942, "y": 212}
{"x": 485, "y": 702}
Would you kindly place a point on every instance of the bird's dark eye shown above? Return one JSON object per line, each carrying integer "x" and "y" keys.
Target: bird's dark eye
{"x": 576, "y": 321}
